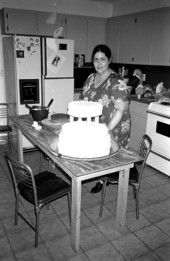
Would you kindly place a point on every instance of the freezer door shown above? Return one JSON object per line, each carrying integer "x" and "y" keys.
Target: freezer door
{"x": 59, "y": 58}
{"x": 62, "y": 91}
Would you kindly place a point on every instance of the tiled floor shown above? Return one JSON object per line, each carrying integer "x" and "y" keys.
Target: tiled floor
{"x": 146, "y": 239}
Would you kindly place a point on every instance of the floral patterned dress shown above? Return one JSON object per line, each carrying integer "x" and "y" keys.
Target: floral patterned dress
{"x": 106, "y": 94}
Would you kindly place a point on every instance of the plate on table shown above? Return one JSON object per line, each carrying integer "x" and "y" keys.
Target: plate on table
{"x": 47, "y": 122}
{"x": 53, "y": 148}
{"x": 59, "y": 120}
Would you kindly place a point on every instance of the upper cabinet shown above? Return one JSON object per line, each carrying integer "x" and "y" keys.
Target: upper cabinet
{"x": 112, "y": 36}
{"x": 18, "y": 21}
{"x": 77, "y": 30}
{"x": 49, "y": 22}
{"x": 96, "y": 34}
{"x": 160, "y": 53}
{"x": 86, "y": 32}
{"x": 143, "y": 38}
{"x": 126, "y": 39}
{"x": 129, "y": 37}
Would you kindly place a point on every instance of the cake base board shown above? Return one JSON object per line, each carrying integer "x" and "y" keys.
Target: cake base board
{"x": 48, "y": 123}
{"x": 53, "y": 148}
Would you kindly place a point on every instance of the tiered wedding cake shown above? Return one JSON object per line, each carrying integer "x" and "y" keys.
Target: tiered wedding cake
{"x": 84, "y": 137}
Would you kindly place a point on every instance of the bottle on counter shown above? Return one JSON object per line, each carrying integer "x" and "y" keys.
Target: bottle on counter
{"x": 139, "y": 90}
{"x": 135, "y": 80}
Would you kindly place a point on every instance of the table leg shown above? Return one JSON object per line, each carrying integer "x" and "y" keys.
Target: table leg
{"x": 75, "y": 214}
{"x": 20, "y": 146}
{"x": 122, "y": 199}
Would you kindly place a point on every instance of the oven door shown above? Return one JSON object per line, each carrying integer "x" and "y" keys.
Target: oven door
{"x": 158, "y": 128}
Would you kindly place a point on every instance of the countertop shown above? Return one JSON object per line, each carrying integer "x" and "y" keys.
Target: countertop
{"x": 134, "y": 97}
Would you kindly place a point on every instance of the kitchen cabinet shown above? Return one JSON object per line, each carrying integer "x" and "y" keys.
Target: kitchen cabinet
{"x": 86, "y": 32}
{"x": 112, "y": 36}
{"x": 95, "y": 34}
{"x": 143, "y": 38}
{"x": 77, "y": 30}
{"x": 17, "y": 21}
{"x": 130, "y": 38}
{"x": 160, "y": 53}
{"x": 49, "y": 22}
{"x": 138, "y": 112}
{"x": 126, "y": 39}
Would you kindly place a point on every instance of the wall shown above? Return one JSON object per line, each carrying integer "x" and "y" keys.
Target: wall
{"x": 79, "y": 7}
{"x": 132, "y": 6}
{"x": 154, "y": 74}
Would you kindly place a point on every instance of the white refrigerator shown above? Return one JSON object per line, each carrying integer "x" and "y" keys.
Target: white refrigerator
{"x": 57, "y": 76}
{"x": 36, "y": 70}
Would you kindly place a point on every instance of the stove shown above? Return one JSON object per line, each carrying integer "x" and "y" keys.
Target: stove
{"x": 160, "y": 108}
{"x": 158, "y": 128}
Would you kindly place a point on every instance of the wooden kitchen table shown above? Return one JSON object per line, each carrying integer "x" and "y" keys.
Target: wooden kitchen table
{"x": 79, "y": 171}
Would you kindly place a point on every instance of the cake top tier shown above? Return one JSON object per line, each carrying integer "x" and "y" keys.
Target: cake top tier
{"x": 84, "y": 109}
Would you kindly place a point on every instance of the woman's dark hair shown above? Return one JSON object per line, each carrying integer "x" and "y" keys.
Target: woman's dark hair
{"x": 103, "y": 49}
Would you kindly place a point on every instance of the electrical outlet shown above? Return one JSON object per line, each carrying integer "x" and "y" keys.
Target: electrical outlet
{"x": 144, "y": 77}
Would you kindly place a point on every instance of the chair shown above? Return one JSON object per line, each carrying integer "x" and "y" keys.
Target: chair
{"x": 39, "y": 190}
{"x": 4, "y": 123}
{"x": 135, "y": 174}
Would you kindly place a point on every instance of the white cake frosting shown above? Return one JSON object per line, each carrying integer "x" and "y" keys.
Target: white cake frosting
{"x": 84, "y": 140}
{"x": 85, "y": 137}
{"x": 84, "y": 109}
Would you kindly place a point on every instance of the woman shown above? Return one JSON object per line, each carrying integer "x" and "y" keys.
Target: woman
{"x": 107, "y": 88}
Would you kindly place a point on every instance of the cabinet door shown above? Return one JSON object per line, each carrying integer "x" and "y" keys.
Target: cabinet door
{"x": 142, "y": 38}
{"x": 95, "y": 35}
{"x": 20, "y": 22}
{"x": 126, "y": 39}
{"x": 160, "y": 54}
{"x": 49, "y": 22}
{"x": 77, "y": 31}
{"x": 112, "y": 36}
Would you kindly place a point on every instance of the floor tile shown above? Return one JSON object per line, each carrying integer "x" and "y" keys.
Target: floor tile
{"x": 154, "y": 195}
{"x": 34, "y": 254}
{"x": 145, "y": 239}
{"x": 93, "y": 214}
{"x": 81, "y": 257}
{"x": 148, "y": 257}
{"x": 163, "y": 252}
{"x": 135, "y": 224}
{"x": 91, "y": 237}
{"x": 108, "y": 228}
{"x": 60, "y": 249}
{"x": 5, "y": 248}
{"x": 164, "y": 225}
{"x": 152, "y": 236}
{"x": 130, "y": 247}
{"x": 105, "y": 252}
{"x": 154, "y": 213}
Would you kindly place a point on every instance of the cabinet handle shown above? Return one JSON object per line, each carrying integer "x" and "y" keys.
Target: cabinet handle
{"x": 132, "y": 59}
{"x": 135, "y": 20}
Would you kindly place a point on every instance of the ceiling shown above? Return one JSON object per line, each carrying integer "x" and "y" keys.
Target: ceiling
{"x": 106, "y": 1}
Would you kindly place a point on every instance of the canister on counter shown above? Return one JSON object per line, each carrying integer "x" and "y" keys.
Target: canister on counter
{"x": 79, "y": 60}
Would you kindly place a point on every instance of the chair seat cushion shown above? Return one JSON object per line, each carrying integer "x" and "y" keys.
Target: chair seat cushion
{"x": 49, "y": 187}
{"x": 114, "y": 178}
{"x": 5, "y": 128}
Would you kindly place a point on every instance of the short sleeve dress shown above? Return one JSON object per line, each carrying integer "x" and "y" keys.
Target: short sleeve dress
{"x": 106, "y": 94}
